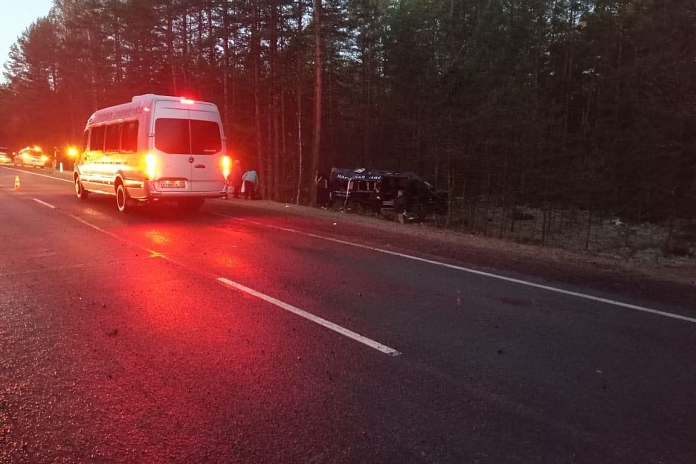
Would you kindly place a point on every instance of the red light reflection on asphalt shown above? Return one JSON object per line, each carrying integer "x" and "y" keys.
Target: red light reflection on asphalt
{"x": 165, "y": 297}
{"x": 158, "y": 237}
{"x": 184, "y": 355}
{"x": 227, "y": 261}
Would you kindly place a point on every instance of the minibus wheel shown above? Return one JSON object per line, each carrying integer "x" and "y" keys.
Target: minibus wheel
{"x": 80, "y": 190}
{"x": 123, "y": 203}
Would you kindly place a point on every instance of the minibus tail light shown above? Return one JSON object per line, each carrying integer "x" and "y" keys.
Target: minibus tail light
{"x": 150, "y": 165}
{"x": 186, "y": 101}
{"x": 226, "y": 166}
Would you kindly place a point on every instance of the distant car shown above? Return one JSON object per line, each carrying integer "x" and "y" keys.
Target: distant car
{"x": 5, "y": 157}
{"x": 32, "y": 156}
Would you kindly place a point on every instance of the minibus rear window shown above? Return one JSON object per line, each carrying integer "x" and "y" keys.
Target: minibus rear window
{"x": 205, "y": 137}
{"x": 172, "y": 136}
{"x": 187, "y": 136}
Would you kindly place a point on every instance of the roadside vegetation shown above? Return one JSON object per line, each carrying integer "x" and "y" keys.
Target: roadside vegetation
{"x": 574, "y": 230}
{"x": 560, "y": 122}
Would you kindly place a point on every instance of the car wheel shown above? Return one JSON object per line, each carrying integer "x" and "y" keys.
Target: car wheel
{"x": 124, "y": 204}
{"x": 80, "y": 191}
{"x": 354, "y": 207}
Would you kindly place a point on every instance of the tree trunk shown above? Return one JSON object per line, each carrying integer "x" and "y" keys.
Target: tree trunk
{"x": 318, "y": 75}
{"x": 185, "y": 50}
{"x": 211, "y": 39}
{"x": 273, "y": 103}
{"x": 226, "y": 67}
{"x": 256, "y": 50}
{"x": 299, "y": 104}
{"x": 270, "y": 149}
{"x": 118, "y": 51}
{"x": 367, "y": 98}
{"x": 170, "y": 45}
{"x": 282, "y": 167}
{"x": 589, "y": 228}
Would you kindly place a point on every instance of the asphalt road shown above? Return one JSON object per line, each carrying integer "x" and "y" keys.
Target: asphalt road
{"x": 236, "y": 335}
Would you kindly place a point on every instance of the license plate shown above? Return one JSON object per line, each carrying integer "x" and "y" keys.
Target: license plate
{"x": 176, "y": 184}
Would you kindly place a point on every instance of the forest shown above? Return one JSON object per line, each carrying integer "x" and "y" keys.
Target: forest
{"x": 551, "y": 105}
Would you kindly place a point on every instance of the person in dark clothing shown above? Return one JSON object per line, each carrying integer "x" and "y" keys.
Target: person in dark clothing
{"x": 323, "y": 196}
{"x": 236, "y": 178}
{"x": 400, "y": 206}
{"x": 376, "y": 199}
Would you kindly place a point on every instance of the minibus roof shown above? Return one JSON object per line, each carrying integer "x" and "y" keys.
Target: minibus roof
{"x": 136, "y": 105}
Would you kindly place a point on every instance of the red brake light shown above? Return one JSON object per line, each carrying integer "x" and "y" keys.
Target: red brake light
{"x": 150, "y": 165}
{"x": 226, "y": 164}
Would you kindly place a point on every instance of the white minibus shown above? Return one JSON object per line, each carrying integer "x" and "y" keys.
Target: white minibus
{"x": 155, "y": 148}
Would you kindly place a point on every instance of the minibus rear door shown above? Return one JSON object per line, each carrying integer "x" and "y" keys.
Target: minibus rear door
{"x": 206, "y": 149}
{"x": 172, "y": 141}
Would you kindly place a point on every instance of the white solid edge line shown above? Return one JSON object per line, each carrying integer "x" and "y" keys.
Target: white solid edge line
{"x": 40, "y": 175}
{"x": 488, "y": 274}
{"x": 323, "y": 322}
{"x": 44, "y": 203}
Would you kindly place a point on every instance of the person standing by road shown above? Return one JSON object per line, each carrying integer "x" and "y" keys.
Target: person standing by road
{"x": 251, "y": 179}
{"x": 376, "y": 200}
{"x": 400, "y": 206}
{"x": 235, "y": 178}
{"x": 323, "y": 197}
{"x": 54, "y": 162}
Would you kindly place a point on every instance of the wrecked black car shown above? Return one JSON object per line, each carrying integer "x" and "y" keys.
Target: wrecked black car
{"x": 360, "y": 190}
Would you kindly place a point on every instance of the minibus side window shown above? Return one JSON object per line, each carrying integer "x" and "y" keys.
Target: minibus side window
{"x": 205, "y": 137}
{"x": 96, "y": 142}
{"x": 129, "y": 136}
{"x": 172, "y": 135}
{"x": 113, "y": 137}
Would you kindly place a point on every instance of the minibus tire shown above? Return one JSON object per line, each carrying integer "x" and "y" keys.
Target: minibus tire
{"x": 80, "y": 191}
{"x": 123, "y": 203}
